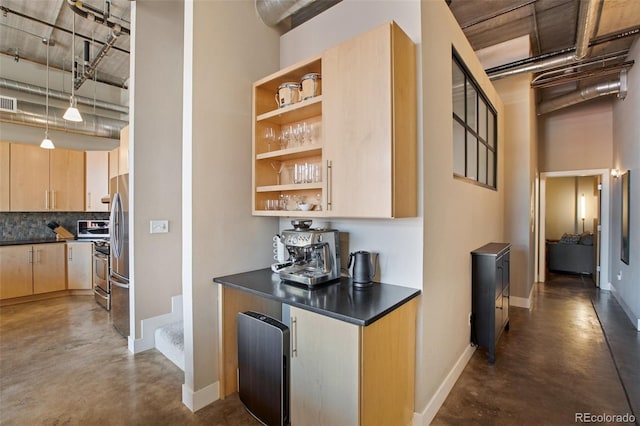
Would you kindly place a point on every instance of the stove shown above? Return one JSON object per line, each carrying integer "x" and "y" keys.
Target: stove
{"x": 101, "y": 283}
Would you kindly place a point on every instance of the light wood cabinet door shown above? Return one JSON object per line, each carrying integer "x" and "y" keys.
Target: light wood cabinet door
{"x": 369, "y": 116}
{"x": 29, "y": 187}
{"x": 15, "y": 271}
{"x": 324, "y": 370}
{"x": 113, "y": 163}
{"x": 4, "y": 176}
{"x": 67, "y": 180}
{"x": 49, "y": 268}
{"x": 79, "y": 266}
{"x": 97, "y": 180}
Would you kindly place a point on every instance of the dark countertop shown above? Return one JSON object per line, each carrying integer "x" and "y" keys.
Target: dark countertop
{"x": 36, "y": 241}
{"x": 339, "y": 300}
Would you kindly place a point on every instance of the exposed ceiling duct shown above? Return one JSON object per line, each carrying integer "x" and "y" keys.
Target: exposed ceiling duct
{"x": 273, "y": 12}
{"x": 618, "y": 86}
{"x": 587, "y": 21}
{"x": 33, "y": 114}
{"x": 37, "y": 90}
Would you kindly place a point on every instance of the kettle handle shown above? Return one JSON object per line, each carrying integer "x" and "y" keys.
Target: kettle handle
{"x": 350, "y": 260}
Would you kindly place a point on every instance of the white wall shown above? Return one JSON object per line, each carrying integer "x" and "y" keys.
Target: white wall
{"x": 155, "y": 152}
{"x": 458, "y": 217}
{"x": 520, "y": 172}
{"x": 626, "y": 156}
{"x": 397, "y": 241}
{"x": 577, "y": 138}
{"x": 227, "y": 48}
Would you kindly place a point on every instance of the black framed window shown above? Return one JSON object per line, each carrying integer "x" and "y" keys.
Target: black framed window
{"x": 474, "y": 129}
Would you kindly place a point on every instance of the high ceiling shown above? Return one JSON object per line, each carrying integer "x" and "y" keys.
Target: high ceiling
{"x": 26, "y": 25}
{"x": 552, "y": 26}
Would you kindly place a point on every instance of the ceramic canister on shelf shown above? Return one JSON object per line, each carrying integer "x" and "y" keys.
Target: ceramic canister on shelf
{"x": 310, "y": 85}
{"x": 288, "y": 94}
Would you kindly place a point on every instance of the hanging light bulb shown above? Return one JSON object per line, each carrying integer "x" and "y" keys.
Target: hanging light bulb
{"x": 46, "y": 142}
{"x": 72, "y": 113}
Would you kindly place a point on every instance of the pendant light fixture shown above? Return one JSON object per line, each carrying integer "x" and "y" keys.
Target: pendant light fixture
{"x": 46, "y": 142}
{"x": 72, "y": 113}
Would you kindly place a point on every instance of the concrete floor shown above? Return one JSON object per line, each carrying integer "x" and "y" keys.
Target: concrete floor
{"x": 62, "y": 363}
{"x": 552, "y": 364}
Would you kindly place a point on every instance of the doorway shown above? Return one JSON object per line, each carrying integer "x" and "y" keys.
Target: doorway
{"x": 580, "y": 214}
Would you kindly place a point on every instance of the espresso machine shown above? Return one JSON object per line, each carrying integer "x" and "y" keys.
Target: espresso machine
{"x": 314, "y": 254}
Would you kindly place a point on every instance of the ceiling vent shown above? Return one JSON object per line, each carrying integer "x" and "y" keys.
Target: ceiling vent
{"x": 8, "y": 104}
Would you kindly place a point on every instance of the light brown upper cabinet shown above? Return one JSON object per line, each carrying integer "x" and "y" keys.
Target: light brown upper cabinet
{"x": 4, "y": 176}
{"x": 351, "y": 149}
{"x": 369, "y": 111}
{"x": 46, "y": 180}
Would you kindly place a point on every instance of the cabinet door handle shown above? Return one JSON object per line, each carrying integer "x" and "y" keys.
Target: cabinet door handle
{"x": 329, "y": 183}
{"x": 46, "y": 200}
{"x": 30, "y": 256}
{"x": 89, "y": 199}
{"x": 37, "y": 256}
{"x": 294, "y": 337}
{"x": 53, "y": 200}
{"x": 70, "y": 253}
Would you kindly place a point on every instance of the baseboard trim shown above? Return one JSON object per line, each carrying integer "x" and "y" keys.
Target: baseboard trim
{"x": 200, "y": 398}
{"x": 148, "y": 326}
{"x": 429, "y": 413}
{"x": 522, "y": 302}
{"x": 635, "y": 321}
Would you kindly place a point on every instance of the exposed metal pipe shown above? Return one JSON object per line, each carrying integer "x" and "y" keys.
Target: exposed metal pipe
{"x": 37, "y": 90}
{"x": 600, "y": 89}
{"x": 273, "y": 12}
{"x": 587, "y": 20}
{"x": 91, "y": 67}
{"x": 33, "y": 114}
{"x": 101, "y": 17}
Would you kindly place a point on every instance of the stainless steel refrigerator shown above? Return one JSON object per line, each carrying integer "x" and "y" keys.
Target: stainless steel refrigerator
{"x": 119, "y": 273}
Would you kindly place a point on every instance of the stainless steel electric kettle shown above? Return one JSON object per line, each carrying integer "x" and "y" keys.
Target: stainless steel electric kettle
{"x": 364, "y": 269}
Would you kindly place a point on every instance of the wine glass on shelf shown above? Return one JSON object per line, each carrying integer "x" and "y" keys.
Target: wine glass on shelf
{"x": 277, "y": 167}
{"x": 283, "y": 137}
{"x": 269, "y": 136}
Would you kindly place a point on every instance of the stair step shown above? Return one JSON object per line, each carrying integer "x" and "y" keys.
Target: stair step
{"x": 170, "y": 342}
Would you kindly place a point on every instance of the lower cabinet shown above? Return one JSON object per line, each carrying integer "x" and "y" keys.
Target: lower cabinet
{"x": 490, "y": 271}
{"x": 344, "y": 374}
{"x": 79, "y": 265}
{"x": 32, "y": 269}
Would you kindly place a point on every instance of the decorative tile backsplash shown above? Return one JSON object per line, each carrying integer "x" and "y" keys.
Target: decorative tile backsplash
{"x": 16, "y": 226}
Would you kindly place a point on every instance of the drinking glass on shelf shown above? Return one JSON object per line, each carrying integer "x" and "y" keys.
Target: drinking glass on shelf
{"x": 269, "y": 136}
{"x": 277, "y": 167}
{"x": 318, "y": 201}
{"x": 308, "y": 133}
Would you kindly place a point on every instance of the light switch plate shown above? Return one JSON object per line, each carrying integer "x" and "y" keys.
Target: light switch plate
{"x": 158, "y": 226}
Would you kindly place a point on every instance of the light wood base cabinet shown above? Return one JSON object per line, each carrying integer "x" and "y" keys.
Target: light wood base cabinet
{"x": 351, "y": 375}
{"x": 4, "y": 176}
{"x": 79, "y": 265}
{"x": 32, "y": 269}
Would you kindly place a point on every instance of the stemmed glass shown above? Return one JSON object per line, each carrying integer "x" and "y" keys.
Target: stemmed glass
{"x": 269, "y": 135}
{"x": 277, "y": 167}
{"x": 284, "y": 136}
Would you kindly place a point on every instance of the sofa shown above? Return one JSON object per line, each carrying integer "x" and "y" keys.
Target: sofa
{"x": 573, "y": 253}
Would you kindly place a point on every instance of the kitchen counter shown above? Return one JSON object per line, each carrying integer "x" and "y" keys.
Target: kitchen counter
{"x": 339, "y": 299}
{"x": 35, "y": 241}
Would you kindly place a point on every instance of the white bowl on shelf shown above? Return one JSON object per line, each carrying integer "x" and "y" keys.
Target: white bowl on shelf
{"x": 305, "y": 207}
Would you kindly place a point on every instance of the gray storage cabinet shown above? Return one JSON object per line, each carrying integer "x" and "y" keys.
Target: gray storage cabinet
{"x": 490, "y": 295}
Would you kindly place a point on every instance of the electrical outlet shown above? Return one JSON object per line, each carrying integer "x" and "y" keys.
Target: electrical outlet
{"x": 158, "y": 226}
{"x": 620, "y": 276}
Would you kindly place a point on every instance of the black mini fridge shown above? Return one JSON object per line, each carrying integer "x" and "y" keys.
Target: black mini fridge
{"x": 263, "y": 367}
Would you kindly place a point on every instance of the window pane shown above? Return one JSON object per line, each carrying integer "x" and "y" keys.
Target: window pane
{"x": 472, "y": 156}
{"x": 458, "y": 91}
{"x": 472, "y": 98}
{"x": 491, "y": 170}
{"x": 482, "y": 119}
{"x": 491, "y": 140}
{"x": 482, "y": 163}
{"x": 458, "y": 148}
